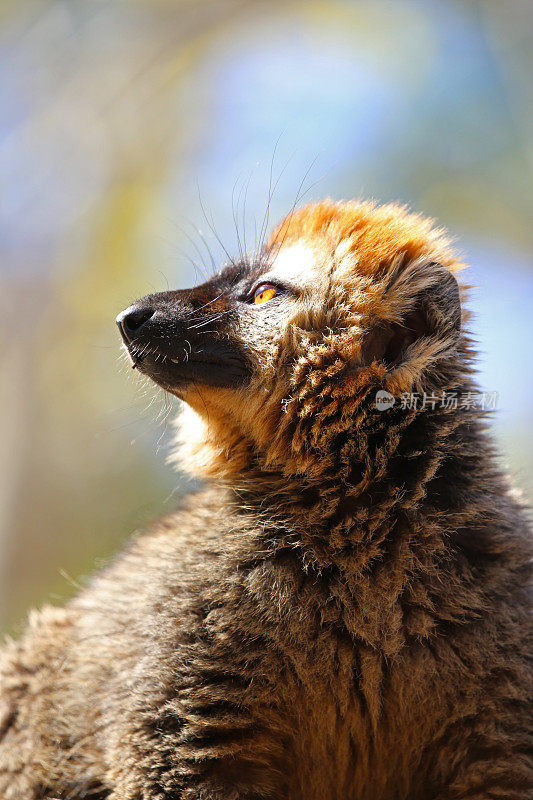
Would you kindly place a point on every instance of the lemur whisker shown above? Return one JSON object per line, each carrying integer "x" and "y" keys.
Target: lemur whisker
{"x": 212, "y": 228}
{"x": 293, "y": 208}
{"x": 235, "y": 213}
{"x": 200, "y": 266}
{"x": 209, "y": 302}
{"x": 266, "y": 217}
{"x": 209, "y": 321}
{"x": 244, "y": 212}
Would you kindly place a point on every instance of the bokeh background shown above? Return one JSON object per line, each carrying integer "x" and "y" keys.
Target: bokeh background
{"x": 134, "y": 135}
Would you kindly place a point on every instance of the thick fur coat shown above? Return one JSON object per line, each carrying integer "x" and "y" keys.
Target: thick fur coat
{"x": 343, "y": 613}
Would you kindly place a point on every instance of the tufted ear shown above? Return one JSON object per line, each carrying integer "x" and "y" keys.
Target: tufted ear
{"x": 421, "y": 302}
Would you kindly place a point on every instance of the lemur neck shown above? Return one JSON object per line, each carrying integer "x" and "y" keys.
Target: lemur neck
{"x": 409, "y": 464}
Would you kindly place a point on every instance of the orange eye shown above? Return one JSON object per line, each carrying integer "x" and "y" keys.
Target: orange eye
{"x": 264, "y": 293}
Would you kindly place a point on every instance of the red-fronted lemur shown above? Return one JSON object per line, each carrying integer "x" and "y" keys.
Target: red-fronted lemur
{"x": 342, "y": 613}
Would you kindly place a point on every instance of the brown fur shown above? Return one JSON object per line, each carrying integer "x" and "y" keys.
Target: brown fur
{"x": 343, "y": 613}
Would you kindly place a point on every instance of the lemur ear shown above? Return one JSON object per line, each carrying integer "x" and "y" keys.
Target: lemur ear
{"x": 424, "y": 301}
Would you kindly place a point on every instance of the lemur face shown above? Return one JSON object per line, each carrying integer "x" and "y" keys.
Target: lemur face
{"x": 223, "y": 333}
{"x": 346, "y": 299}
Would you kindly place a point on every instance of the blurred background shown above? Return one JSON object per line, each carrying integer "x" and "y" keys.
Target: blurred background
{"x": 134, "y": 136}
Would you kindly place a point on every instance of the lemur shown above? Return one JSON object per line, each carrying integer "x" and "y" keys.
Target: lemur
{"x": 342, "y": 612}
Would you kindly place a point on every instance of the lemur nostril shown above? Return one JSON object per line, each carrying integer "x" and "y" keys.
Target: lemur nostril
{"x": 132, "y": 319}
{"x": 136, "y": 319}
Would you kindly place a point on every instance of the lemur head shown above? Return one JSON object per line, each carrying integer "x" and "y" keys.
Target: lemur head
{"x": 281, "y": 355}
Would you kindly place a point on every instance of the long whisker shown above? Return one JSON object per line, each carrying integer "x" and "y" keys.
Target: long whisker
{"x": 197, "y": 265}
{"x": 299, "y": 196}
{"x": 205, "y": 244}
{"x": 282, "y": 171}
{"x": 212, "y": 228}
{"x": 235, "y": 212}
{"x": 198, "y": 268}
{"x": 209, "y": 321}
{"x": 266, "y": 218}
{"x": 244, "y": 212}
{"x": 209, "y": 303}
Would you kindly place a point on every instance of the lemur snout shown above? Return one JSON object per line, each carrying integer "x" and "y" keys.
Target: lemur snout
{"x": 132, "y": 319}
{"x": 185, "y": 337}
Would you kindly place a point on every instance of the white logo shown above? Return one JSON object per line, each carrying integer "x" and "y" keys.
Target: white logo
{"x": 384, "y": 400}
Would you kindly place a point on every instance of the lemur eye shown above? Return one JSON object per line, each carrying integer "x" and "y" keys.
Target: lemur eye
{"x": 264, "y": 293}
